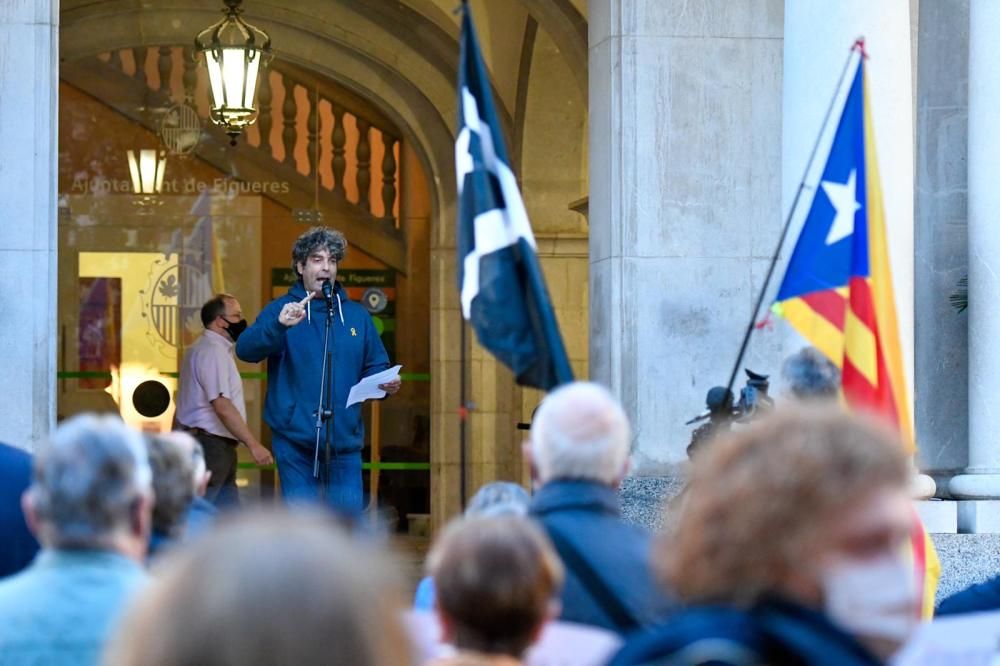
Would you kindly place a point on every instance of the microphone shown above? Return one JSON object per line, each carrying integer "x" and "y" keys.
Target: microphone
{"x": 327, "y": 290}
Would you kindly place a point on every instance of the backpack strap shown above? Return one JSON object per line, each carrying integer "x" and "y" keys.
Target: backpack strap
{"x": 623, "y": 619}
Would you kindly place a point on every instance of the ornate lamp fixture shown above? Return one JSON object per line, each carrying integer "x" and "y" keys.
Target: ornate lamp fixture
{"x": 147, "y": 169}
{"x": 234, "y": 52}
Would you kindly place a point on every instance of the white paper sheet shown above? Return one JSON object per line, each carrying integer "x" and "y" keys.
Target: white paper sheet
{"x": 368, "y": 389}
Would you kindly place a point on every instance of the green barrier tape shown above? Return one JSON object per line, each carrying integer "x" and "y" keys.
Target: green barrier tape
{"x": 83, "y": 375}
{"x": 244, "y": 375}
{"x": 382, "y": 466}
{"x": 66, "y": 374}
{"x": 397, "y": 466}
{"x": 96, "y": 374}
{"x": 415, "y": 376}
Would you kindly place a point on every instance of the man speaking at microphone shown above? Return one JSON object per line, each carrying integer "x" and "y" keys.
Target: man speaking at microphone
{"x": 289, "y": 333}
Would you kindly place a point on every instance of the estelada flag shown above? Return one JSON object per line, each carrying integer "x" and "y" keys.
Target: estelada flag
{"x": 837, "y": 291}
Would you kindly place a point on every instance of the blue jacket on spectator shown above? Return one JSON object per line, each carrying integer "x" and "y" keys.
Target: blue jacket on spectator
{"x": 64, "y": 607}
{"x": 775, "y": 631}
{"x": 19, "y": 545}
{"x": 978, "y": 598}
{"x": 587, "y": 515}
{"x": 200, "y": 516}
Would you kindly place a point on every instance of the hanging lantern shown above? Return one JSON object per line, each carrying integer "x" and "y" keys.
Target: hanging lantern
{"x": 147, "y": 169}
{"x": 234, "y": 53}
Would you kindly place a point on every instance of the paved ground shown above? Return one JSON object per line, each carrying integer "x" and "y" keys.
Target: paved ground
{"x": 410, "y": 552}
{"x": 965, "y": 558}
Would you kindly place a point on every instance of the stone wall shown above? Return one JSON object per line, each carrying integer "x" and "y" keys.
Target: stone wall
{"x": 941, "y": 256}
{"x": 685, "y": 175}
{"x": 29, "y": 63}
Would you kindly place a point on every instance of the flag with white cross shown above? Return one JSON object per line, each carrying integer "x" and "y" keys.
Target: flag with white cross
{"x": 502, "y": 289}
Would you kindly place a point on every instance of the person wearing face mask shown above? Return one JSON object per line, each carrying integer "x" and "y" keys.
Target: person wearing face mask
{"x": 789, "y": 548}
{"x": 289, "y": 334}
{"x": 210, "y": 399}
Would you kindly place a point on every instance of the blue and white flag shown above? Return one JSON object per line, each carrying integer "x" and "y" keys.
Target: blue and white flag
{"x": 502, "y": 288}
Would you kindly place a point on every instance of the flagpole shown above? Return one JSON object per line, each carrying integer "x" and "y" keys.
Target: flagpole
{"x": 463, "y": 410}
{"x": 858, "y": 46}
{"x": 463, "y": 413}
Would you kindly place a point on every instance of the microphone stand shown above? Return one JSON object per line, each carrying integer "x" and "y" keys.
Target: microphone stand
{"x": 324, "y": 411}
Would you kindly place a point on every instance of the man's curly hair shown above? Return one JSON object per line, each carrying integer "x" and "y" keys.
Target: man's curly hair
{"x": 318, "y": 238}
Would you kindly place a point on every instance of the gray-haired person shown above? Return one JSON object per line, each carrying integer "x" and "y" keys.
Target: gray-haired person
{"x": 172, "y": 459}
{"x": 90, "y": 506}
{"x": 579, "y": 449}
{"x": 290, "y": 333}
{"x": 810, "y": 375}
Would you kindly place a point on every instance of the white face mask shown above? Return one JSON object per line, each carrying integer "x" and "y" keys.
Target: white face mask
{"x": 876, "y": 598}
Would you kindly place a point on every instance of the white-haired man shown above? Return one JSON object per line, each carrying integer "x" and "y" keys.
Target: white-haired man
{"x": 579, "y": 448}
{"x": 90, "y": 506}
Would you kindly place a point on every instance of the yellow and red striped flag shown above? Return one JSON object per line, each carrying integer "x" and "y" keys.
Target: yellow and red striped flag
{"x": 837, "y": 291}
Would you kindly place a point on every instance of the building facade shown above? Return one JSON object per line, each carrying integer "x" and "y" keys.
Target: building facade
{"x": 659, "y": 144}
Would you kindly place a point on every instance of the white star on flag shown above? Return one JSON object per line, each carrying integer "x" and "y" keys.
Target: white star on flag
{"x": 844, "y": 198}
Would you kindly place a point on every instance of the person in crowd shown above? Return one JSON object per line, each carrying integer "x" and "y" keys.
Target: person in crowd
{"x": 500, "y": 498}
{"x": 789, "y": 548}
{"x": 19, "y": 544}
{"x": 289, "y": 334}
{"x": 977, "y": 598}
{"x": 90, "y": 506}
{"x": 210, "y": 402}
{"x": 809, "y": 375}
{"x": 268, "y": 588}
{"x": 497, "y": 582}
{"x": 171, "y": 458}
{"x": 579, "y": 450}
{"x": 202, "y": 513}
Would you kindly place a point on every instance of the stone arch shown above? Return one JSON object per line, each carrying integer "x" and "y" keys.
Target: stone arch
{"x": 419, "y": 98}
{"x": 424, "y": 112}
{"x": 405, "y": 63}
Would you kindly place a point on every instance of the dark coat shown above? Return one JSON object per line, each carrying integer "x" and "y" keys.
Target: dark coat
{"x": 587, "y": 515}
{"x": 19, "y": 546}
{"x": 773, "y": 632}
{"x": 981, "y": 597}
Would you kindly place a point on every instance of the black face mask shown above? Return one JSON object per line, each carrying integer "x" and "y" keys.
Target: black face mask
{"x": 236, "y": 329}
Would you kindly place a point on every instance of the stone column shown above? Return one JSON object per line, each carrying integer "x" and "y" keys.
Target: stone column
{"x": 685, "y": 193}
{"x": 981, "y": 480}
{"x": 29, "y": 80}
{"x": 941, "y": 253}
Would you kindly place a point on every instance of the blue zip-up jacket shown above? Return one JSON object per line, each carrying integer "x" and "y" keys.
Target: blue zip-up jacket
{"x": 295, "y": 360}
{"x": 774, "y": 631}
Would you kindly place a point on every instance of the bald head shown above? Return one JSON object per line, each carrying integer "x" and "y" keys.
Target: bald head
{"x": 580, "y": 432}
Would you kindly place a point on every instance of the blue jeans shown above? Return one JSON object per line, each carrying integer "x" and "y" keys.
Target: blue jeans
{"x": 299, "y": 486}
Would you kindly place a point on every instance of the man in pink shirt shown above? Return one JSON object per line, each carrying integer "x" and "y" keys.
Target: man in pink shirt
{"x": 210, "y": 398}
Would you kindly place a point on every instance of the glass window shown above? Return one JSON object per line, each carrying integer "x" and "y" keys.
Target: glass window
{"x": 158, "y": 213}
